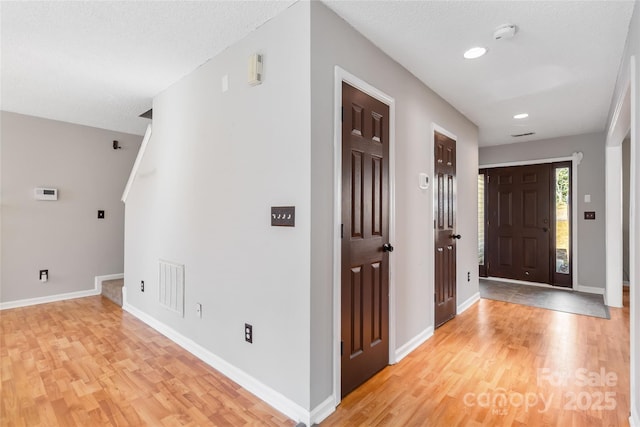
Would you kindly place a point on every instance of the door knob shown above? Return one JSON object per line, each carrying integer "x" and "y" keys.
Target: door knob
{"x": 545, "y": 229}
{"x": 387, "y": 247}
{"x": 456, "y": 236}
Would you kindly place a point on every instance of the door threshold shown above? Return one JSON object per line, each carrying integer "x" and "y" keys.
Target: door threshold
{"x": 522, "y": 282}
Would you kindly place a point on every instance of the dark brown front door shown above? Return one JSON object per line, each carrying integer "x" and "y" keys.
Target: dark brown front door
{"x": 519, "y": 222}
{"x": 365, "y": 222}
{"x": 445, "y": 224}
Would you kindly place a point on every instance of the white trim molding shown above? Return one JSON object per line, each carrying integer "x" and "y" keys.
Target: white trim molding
{"x": 322, "y": 411}
{"x": 136, "y": 164}
{"x": 97, "y": 290}
{"x": 246, "y": 381}
{"x": 99, "y": 279}
{"x": 468, "y": 303}
{"x": 51, "y": 298}
{"x": 341, "y": 75}
{"x": 591, "y": 290}
{"x": 413, "y": 343}
{"x": 634, "y": 245}
{"x": 619, "y": 127}
{"x": 613, "y": 224}
{"x": 575, "y": 159}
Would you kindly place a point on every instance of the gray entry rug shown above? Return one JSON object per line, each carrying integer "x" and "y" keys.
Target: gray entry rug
{"x": 549, "y": 298}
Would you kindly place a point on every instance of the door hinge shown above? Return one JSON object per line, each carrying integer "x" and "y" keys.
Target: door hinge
{"x": 342, "y": 115}
{"x": 488, "y": 179}
{"x": 342, "y": 231}
{"x": 341, "y": 348}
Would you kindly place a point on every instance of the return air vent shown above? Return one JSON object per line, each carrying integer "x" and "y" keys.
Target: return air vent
{"x": 523, "y": 134}
{"x": 171, "y": 289}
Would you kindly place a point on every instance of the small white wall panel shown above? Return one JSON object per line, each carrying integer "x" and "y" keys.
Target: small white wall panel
{"x": 171, "y": 286}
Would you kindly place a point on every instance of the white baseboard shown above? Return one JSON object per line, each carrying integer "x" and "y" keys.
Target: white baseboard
{"x": 260, "y": 390}
{"x": 47, "y": 299}
{"x": 590, "y": 290}
{"x": 99, "y": 279}
{"x": 413, "y": 343}
{"x": 469, "y": 302}
{"x": 322, "y": 411}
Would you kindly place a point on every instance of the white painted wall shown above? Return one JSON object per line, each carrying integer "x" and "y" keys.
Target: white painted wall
{"x": 64, "y": 236}
{"x": 215, "y": 165}
{"x": 630, "y": 73}
{"x": 591, "y": 180}
{"x": 334, "y": 42}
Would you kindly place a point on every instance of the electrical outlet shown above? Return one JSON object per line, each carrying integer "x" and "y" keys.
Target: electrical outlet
{"x": 100, "y": 214}
{"x": 468, "y": 276}
{"x": 44, "y": 275}
{"x": 248, "y": 333}
{"x": 199, "y": 310}
{"x": 142, "y": 286}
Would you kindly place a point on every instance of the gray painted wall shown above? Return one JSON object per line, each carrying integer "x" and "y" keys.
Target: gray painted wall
{"x": 334, "y": 42}
{"x": 591, "y": 248}
{"x": 215, "y": 165}
{"x": 64, "y": 236}
{"x": 218, "y": 161}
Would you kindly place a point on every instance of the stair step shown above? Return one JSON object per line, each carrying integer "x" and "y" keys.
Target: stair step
{"x": 112, "y": 289}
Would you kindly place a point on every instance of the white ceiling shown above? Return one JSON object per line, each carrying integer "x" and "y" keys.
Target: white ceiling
{"x": 100, "y": 63}
{"x": 561, "y": 66}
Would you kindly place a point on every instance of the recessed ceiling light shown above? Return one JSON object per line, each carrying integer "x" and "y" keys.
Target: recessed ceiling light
{"x": 475, "y": 52}
{"x": 521, "y": 116}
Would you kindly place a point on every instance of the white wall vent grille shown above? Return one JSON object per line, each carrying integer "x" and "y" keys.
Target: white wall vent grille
{"x": 171, "y": 286}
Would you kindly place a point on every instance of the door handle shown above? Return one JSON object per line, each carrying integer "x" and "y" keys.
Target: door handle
{"x": 545, "y": 229}
{"x": 387, "y": 247}
{"x": 455, "y": 236}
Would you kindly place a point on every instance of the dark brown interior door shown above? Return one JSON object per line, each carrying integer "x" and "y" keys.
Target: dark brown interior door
{"x": 445, "y": 233}
{"x": 365, "y": 244}
{"x": 519, "y": 223}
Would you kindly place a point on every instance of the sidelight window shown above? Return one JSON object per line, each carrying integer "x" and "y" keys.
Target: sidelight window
{"x": 562, "y": 183}
{"x": 482, "y": 194}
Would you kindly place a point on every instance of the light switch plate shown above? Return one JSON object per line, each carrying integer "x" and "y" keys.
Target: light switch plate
{"x": 283, "y": 216}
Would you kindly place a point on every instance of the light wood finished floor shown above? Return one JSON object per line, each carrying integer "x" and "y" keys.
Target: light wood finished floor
{"x": 87, "y": 363}
{"x": 496, "y": 349}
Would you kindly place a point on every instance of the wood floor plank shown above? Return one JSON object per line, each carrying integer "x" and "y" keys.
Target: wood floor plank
{"x": 85, "y": 362}
{"x": 497, "y": 349}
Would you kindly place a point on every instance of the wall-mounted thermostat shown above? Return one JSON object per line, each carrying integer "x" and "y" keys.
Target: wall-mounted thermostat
{"x": 46, "y": 193}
